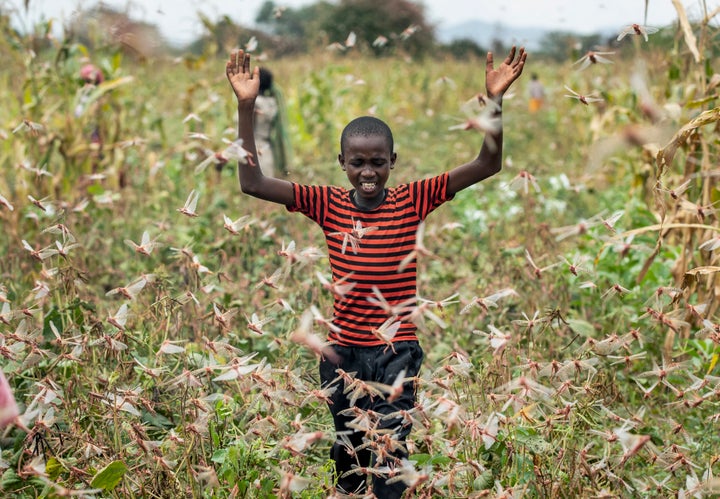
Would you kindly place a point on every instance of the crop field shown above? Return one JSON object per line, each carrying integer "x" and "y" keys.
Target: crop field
{"x": 568, "y": 311}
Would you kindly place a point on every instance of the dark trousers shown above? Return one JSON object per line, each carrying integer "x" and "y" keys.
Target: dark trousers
{"x": 381, "y": 448}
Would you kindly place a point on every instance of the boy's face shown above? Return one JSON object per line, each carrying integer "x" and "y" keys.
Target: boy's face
{"x": 367, "y": 161}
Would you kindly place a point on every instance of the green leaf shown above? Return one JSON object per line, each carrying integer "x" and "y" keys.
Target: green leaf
{"x": 108, "y": 477}
{"x": 533, "y": 442}
{"x": 219, "y": 456}
{"x": 95, "y": 190}
{"x": 440, "y": 459}
{"x": 52, "y": 316}
{"x": 53, "y": 468}
{"x": 157, "y": 420}
{"x": 483, "y": 481}
{"x": 420, "y": 459}
{"x": 8, "y": 479}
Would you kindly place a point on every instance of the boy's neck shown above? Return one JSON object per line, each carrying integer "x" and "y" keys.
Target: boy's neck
{"x": 368, "y": 204}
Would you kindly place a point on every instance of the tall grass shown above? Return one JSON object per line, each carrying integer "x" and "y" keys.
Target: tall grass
{"x": 597, "y": 376}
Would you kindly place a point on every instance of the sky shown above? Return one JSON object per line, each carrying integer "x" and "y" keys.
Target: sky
{"x": 179, "y": 24}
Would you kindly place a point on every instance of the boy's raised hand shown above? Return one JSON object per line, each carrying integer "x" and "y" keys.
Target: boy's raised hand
{"x": 245, "y": 83}
{"x": 497, "y": 81}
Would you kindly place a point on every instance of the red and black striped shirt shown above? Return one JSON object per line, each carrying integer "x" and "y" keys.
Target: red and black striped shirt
{"x": 367, "y": 248}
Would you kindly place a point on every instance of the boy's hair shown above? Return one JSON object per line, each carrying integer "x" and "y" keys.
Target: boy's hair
{"x": 266, "y": 80}
{"x": 365, "y": 126}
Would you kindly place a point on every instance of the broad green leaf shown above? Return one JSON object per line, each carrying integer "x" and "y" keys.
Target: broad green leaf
{"x": 219, "y": 456}
{"x": 108, "y": 477}
{"x": 420, "y": 459}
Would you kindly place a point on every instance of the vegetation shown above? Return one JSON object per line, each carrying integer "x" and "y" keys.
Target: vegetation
{"x": 579, "y": 287}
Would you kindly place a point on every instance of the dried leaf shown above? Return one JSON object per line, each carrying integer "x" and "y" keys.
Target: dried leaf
{"x": 687, "y": 30}
{"x": 709, "y": 269}
{"x": 666, "y": 154}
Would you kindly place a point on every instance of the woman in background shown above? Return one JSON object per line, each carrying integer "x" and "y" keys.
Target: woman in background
{"x": 273, "y": 145}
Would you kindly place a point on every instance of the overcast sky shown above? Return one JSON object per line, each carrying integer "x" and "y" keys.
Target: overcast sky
{"x": 178, "y": 20}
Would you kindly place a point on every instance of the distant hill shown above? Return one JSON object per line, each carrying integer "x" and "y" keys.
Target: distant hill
{"x": 483, "y": 33}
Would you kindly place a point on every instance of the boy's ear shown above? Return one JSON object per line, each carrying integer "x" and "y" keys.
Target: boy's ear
{"x": 341, "y": 160}
{"x": 393, "y": 159}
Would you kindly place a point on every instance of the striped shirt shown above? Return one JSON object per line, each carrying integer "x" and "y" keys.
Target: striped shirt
{"x": 367, "y": 248}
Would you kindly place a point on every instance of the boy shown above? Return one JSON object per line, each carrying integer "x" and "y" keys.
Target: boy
{"x": 370, "y": 231}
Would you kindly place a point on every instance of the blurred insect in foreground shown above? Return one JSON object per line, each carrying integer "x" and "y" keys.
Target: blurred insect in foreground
{"x": 339, "y": 287}
{"x": 523, "y": 181}
{"x": 304, "y": 335}
{"x": 592, "y": 57}
{"x": 4, "y": 202}
{"x": 585, "y": 99}
{"x": 29, "y": 126}
{"x": 419, "y": 249}
{"x": 481, "y": 115}
{"x": 637, "y": 29}
{"x": 234, "y": 151}
{"x": 251, "y": 44}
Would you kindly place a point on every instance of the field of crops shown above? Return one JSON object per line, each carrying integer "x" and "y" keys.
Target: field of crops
{"x": 571, "y": 330}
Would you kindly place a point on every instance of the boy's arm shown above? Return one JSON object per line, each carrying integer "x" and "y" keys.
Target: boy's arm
{"x": 246, "y": 85}
{"x": 489, "y": 161}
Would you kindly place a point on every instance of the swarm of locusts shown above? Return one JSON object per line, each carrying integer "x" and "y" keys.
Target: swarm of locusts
{"x": 159, "y": 333}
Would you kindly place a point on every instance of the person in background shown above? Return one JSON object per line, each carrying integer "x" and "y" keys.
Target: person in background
{"x": 537, "y": 94}
{"x": 91, "y": 76}
{"x": 270, "y": 127}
